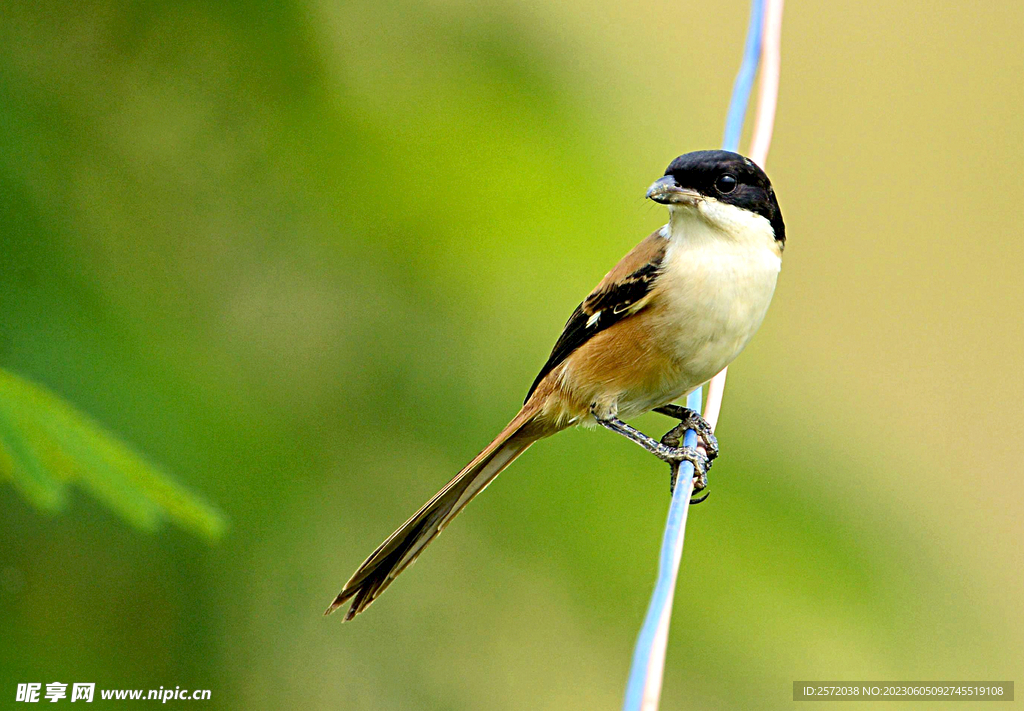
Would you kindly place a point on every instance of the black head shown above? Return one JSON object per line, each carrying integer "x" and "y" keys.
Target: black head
{"x": 725, "y": 176}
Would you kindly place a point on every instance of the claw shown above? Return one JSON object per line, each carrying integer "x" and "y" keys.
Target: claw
{"x": 700, "y": 483}
{"x": 700, "y": 463}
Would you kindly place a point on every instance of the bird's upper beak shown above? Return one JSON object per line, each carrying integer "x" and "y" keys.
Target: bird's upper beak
{"x": 666, "y": 191}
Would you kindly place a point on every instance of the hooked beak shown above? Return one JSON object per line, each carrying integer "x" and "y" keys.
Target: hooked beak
{"x": 666, "y": 191}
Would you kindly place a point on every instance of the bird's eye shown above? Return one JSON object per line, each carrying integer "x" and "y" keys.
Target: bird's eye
{"x": 726, "y": 183}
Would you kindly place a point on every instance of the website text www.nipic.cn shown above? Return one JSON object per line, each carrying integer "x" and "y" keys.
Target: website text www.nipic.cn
{"x": 57, "y": 691}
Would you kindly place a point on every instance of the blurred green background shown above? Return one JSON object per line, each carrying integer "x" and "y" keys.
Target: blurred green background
{"x": 301, "y": 254}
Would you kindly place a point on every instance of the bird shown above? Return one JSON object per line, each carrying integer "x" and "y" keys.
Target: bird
{"x": 676, "y": 310}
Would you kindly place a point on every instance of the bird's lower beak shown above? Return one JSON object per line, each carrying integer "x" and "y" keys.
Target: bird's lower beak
{"x": 666, "y": 191}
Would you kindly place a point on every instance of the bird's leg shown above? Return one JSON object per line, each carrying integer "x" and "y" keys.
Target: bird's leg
{"x": 667, "y": 450}
{"x": 691, "y": 420}
{"x": 664, "y": 452}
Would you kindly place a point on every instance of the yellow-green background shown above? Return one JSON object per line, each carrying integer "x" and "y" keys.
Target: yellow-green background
{"x": 309, "y": 256}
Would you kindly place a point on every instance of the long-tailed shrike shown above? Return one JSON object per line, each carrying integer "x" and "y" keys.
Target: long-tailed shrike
{"x": 676, "y": 310}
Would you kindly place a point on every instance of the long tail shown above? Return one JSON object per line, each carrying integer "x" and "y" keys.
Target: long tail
{"x": 403, "y": 546}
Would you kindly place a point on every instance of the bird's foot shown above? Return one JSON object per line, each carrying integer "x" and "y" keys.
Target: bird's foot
{"x": 701, "y": 465}
{"x": 669, "y": 450}
{"x": 690, "y": 420}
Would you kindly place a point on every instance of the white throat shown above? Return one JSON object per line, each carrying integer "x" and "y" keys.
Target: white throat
{"x": 710, "y": 220}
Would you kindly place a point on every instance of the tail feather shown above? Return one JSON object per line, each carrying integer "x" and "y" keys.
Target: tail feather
{"x": 403, "y": 546}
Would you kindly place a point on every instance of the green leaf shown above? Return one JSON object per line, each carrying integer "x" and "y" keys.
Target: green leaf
{"x": 45, "y": 443}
